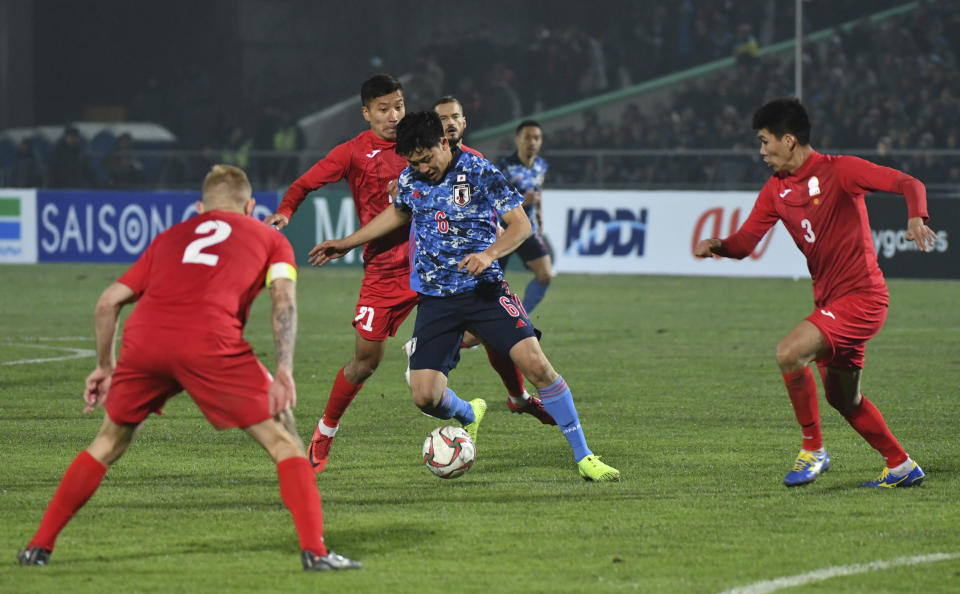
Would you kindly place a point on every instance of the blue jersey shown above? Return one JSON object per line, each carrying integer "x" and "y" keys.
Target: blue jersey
{"x": 454, "y": 218}
{"x": 525, "y": 178}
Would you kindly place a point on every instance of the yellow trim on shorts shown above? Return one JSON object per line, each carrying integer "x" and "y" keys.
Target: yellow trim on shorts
{"x": 281, "y": 270}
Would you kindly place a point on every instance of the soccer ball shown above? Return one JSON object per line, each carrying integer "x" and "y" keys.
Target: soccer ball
{"x": 448, "y": 451}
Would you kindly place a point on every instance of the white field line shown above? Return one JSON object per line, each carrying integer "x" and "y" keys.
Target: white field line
{"x": 832, "y": 572}
{"x": 74, "y": 354}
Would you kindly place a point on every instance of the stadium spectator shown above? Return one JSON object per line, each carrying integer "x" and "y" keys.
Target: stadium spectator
{"x": 186, "y": 333}
{"x": 819, "y": 199}
{"x": 121, "y": 166}
{"x": 238, "y": 147}
{"x": 26, "y": 170}
{"x": 69, "y": 163}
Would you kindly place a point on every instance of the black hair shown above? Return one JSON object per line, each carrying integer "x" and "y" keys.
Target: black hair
{"x": 418, "y": 130}
{"x": 447, "y": 99}
{"x": 784, "y": 116}
{"x": 378, "y": 85}
{"x": 528, "y": 124}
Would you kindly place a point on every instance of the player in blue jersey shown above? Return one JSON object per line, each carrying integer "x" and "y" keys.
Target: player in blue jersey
{"x": 519, "y": 400}
{"x": 525, "y": 169}
{"x": 454, "y": 199}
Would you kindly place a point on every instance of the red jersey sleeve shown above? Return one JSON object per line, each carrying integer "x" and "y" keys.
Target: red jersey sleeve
{"x": 762, "y": 217}
{"x": 858, "y": 176}
{"x": 332, "y": 168}
{"x": 136, "y": 276}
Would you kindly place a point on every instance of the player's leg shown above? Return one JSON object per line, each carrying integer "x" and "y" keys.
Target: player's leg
{"x": 842, "y": 387}
{"x": 558, "y": 400}
{"x": 542, "y": 268}
{"x": 434, "y": 351}
{"x": 382, "y": 307}
{"x": 78, "y": 484}
{"x": 299, "y": 493}
{"x": 366, "y": 358}
{"x": 794, "y": 353}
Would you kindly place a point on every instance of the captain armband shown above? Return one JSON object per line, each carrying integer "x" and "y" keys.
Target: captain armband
{"x": 281, "y": 270}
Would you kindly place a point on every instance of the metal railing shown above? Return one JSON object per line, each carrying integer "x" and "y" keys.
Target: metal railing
{"x": 703, "y": 169}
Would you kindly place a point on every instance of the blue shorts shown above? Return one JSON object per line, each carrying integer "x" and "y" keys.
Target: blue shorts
{"x": 532, "y": 248}
{"x": 490, "y": 312}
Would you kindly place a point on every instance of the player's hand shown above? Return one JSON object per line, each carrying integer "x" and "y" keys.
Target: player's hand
{"x": 330, "y": 249}
{"x": 277, "y": 220}
{"x": 476, "y": 263}
{"x": 97, "y": 386}
{"x": 919, "y": 233}
{"x": 282, "y": 392}
{"x": 393, "y": 188}
{"x": 531, "y": 197}
{"x": 707, "y": 248}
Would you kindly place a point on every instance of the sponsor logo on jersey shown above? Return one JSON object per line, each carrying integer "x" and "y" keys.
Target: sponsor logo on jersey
{"x": 813, "y": 186}
{"x": 373, "y": 153}
{"x": 784, "y": 193}
{"x": 461, "y": 194}
{"x": 829, "y": 314}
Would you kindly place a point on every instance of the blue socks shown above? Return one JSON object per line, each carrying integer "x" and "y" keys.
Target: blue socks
{"x": 451, "y": 406}
{"x": 558, "y": 401}
{"x": 534, "y": 294}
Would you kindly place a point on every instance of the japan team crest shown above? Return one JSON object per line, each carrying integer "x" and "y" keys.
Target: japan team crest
{"x": 461, "y": 194}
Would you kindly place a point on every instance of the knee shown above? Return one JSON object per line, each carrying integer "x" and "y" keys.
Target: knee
{"x": 540, "y": 373}
{"x": 842, "y": 403}
{"x": 543, "y": 276}
{"x": 788, "y": 359}
{"x": 425, "y": 400}
{"x": 283, "y": 446}
{"x": 361, "y": 368}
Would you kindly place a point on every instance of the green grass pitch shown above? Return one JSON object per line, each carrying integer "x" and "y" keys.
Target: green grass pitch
{"x": 676, "y": 385}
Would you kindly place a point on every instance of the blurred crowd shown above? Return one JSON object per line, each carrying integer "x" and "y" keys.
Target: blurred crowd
{"x": 882, "y": 87}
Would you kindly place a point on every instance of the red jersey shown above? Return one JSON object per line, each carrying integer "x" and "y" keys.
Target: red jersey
{"x": 821, "y": 205}
{"x": 203, "y": 274}
{"x": 369, "y": 164}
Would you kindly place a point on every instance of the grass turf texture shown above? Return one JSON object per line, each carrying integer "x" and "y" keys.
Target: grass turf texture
{"x": 676, "y": 385}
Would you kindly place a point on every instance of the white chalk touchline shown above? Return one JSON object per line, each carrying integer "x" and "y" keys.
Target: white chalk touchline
{"x": 832, "y": 572}
{"x": 74, "y": 354}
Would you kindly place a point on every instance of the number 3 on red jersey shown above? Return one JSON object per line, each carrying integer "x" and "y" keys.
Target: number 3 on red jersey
{"x": 809, "y": 235}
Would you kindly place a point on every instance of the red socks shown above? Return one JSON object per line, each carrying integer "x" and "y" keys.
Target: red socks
{"x": 341, "y": 395}
{"x": 509, "y": 373}
{"x": 78, "y": 484}
{"x": 299, "y": 493}
{"x": 869, "y": 423}
{"x": 802, "y": 389}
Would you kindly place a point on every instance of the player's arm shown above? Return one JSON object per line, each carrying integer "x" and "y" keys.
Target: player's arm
{"x": 741, "y": 244}
{"x": 328, "y": 170}
{"x": 282, "y": 284}
{"x": 859, "y": 176}
{"x": 106, "y": 317}
{"x": 382, "y": 224}
{"x": 518, "y": 229}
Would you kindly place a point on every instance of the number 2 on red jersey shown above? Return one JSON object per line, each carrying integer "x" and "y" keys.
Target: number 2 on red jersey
{"x": 194, "y": 254}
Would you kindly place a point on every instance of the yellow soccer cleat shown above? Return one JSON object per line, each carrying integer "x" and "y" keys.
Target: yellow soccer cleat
{"x": 479, "y": 406}
{"x": 592, "y": 469}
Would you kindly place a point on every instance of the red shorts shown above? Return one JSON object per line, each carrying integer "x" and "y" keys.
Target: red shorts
{"x": 384, "y": 303}
{"x": 847, "y": 324}
{"x": 222, "y": 375}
